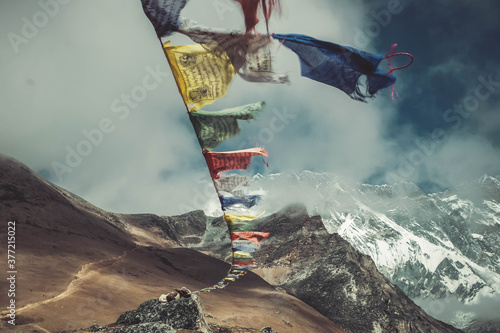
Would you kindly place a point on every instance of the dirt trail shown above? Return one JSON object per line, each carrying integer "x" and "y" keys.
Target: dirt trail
{"x": 86, "y": 272}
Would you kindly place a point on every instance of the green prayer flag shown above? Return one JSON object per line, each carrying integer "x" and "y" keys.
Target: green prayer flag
{"x": 213, "y": 127}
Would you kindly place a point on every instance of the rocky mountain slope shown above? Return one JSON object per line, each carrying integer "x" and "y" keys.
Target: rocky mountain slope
{"x": 79, "y": 266}
{"x": 324, "y": 269}
{"x": 443, "y": 250}
{"x": 326, "y": 272}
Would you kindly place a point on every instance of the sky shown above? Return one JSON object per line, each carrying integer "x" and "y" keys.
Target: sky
{"x": 68, "y": 69}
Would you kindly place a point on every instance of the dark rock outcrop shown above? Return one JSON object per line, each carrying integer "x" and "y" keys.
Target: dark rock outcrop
{"x": 184, "y": 315}
{"x": 153, "y": 316}
{"x": 343, "y": 284}
{"x": 183, "y": 229}
{"x": 484, "y": 326}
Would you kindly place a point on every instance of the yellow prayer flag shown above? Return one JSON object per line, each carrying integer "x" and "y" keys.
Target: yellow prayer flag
{"x": 232, "y": 218}
{"x": 202, "y": 76}
{"x": 242, "y": 255}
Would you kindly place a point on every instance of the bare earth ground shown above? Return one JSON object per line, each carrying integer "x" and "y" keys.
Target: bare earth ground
{"x": 77, "y": 267}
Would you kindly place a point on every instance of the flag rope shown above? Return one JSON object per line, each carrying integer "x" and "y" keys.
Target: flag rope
{"x": 235, "y": 271}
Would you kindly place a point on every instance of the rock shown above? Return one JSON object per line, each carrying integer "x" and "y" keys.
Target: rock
{"x": 184, "y": 315}
{"x": 216, "y": 328}
{"x": 154, "y": 316}
{"x": 146, "y": 328}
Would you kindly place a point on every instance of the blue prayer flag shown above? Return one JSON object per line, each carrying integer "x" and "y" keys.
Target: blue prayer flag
{"x": 338, "y": 66}
{"x": 245, "y": 249}
{"x": 247, "y": 201}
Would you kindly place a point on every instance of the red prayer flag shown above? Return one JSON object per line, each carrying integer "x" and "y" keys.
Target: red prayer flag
{"x": 250, "y": 8}
{"x": 244, "y": 263}
{"x": 252, "y": 236}
{"x": 231, "y": 160}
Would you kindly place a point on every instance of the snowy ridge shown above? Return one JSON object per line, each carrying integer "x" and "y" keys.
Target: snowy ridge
{"x": 431, "y": 246}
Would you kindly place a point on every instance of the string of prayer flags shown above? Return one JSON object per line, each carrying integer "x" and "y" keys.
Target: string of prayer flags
{"x": 201, "y": 76}
{"x": 213, "y": 127}
{"x": 203, "y": 73}
{"x": 244, "y": 243}
{"x": 249, "y": 54}
{"x": 163, "y": 14}
{"x": 231, "y": 160}
{"x": 338, "y": 66}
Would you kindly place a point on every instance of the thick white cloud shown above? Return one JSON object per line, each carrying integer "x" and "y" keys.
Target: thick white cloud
{"x": 462, "y": 159}
{"x": 75, "y": 70}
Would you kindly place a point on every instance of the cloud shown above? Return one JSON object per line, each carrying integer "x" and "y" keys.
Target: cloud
{"x": 466, "y": 158}
{"x": 75, "y": 74}
{"x": 451, "y": 310}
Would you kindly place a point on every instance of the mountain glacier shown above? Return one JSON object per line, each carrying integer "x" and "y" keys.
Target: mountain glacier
{"x": 442, "y": 249}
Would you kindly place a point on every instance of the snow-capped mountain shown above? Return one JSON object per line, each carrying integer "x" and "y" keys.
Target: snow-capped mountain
{"x": 442, "y": 249}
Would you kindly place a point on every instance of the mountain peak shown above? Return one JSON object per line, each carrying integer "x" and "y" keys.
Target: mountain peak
{"x": 486, "y": 179}
{"x": 408, "y": 233}
{"x": 80, "y": 265}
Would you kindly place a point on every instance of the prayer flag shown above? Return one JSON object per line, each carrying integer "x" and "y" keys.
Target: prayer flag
{"x": 233, "y": 218}
{"x": 253, "y": 236}
{"x": 338, "y": 66}
{"x": 242, "y": 255}
{"x": 249, "y": 54}
{"x": 163, "y": 14}
{"x": 231, "y": 160}
{"x": 213, "y": 127}
{"x": 229, "y": 183}
{"x": 245, "y": 249}
{"x": 244, "y": 262}
{"x": 250, "y": 8}
{"x": 236, "y": 269}
{"x": 202, "y": 77}
{"x": 247, "y": 201}
{"x": 244, "y": 243}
